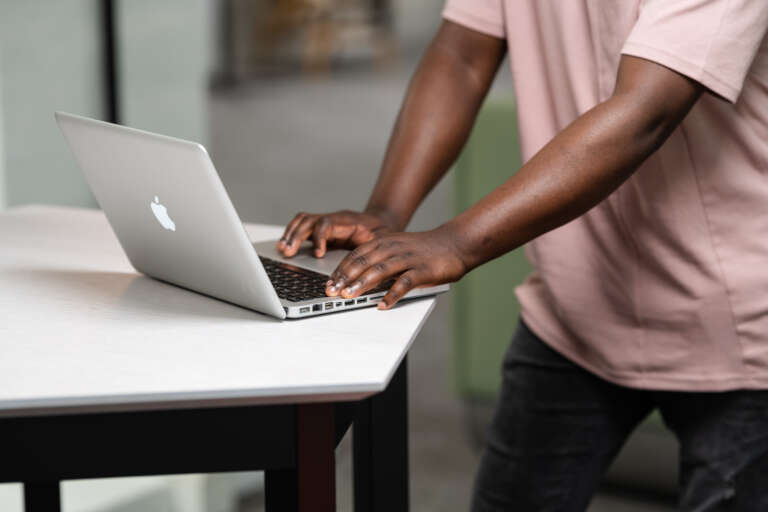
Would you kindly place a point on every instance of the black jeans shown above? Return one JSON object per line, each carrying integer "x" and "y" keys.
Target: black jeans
{"x": 558, "y": 427}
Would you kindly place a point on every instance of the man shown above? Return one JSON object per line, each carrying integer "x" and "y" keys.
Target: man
{"x": 644, "y": 203}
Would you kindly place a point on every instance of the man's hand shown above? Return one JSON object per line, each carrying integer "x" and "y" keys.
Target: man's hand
{"x": 412, "y": 259}
{"x": 344, "y": 229}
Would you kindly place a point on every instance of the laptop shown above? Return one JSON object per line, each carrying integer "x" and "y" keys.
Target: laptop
{"x": 174, "y": 220}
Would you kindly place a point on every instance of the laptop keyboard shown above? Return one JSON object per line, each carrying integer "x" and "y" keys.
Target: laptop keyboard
{"x": 300, "y": 284}
{"x": 294, "y": 283}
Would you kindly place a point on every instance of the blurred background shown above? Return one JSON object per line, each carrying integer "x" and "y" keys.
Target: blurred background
{"x": 295, "y": 100}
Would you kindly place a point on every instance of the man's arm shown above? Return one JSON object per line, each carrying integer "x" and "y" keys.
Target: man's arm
{"x": 436, "y": 117}
{"x": 434, "y": 122}
{"x": 582, "y": 165}
{"x": 577, "y": 169}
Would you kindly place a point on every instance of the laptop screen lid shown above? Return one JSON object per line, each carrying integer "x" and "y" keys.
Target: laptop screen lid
{"x": 170, "y": 211}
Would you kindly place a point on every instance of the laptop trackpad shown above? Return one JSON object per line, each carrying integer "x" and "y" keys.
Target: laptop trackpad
{"x": 305, "y": 257}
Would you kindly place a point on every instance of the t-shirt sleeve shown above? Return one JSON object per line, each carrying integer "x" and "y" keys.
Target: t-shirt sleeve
{"x": 486, "y": 16}
{"x": 711, "y": 41}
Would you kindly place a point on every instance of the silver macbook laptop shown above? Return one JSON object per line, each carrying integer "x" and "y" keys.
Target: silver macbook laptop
{"x": 176, "y": 223}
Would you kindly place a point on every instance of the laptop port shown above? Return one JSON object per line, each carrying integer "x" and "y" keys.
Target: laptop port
{"x": 338, "y": 304}
{"x": 317, "y": 307}
{"x": 328, "y": 305}
{"x": 349, "y": 302}
{"x": 303, "y": 310}
{"x": 363, "y": 300}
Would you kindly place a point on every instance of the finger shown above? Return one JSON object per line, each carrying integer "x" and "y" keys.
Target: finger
{"x": 345, "y": 272}
{"x": 350, "y": 266}
{"x": 341, "y": 235}
{"x": 377, "y": 273}
{"x": 301, "y": 233}
{"x": 405, "y": 283}
{"x": 320, "y": 235}
{"x": 359, "y": 260}
{"x": 282, "y": 243}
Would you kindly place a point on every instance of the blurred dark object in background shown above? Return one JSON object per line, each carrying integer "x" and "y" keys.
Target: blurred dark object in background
{"x": 277, "y": 37}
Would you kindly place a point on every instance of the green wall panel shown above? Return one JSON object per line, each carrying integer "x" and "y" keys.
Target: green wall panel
{"x": 486, "y": 310}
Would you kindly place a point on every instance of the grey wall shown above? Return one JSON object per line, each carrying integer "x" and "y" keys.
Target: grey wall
{"x": 164, "y": 60}
{"x": 50, "y": 58}
{"x": 2, "y": 148}
{"x": 416, "y": 22}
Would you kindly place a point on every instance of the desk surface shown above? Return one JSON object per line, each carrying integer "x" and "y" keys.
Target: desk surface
{"x": 80, "y": 330}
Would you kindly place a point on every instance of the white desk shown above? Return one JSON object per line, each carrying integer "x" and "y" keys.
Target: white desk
{"x": 82, "y": 332}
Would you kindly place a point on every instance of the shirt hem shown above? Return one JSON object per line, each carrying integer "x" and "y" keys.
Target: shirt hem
{"x": 691, "y": 70}
{"x": 643, "y": 381}
{"x": 473, "y": 21}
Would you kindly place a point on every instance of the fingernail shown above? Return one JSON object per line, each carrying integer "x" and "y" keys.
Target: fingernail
{"x": 334, "y": 288}
{"x": 349, "y": 290}
{"x": 329, "y": 282}
{"x": 382, "y": 305}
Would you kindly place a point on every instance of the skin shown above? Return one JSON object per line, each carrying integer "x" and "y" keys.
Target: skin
{"x": 576, "y": 170}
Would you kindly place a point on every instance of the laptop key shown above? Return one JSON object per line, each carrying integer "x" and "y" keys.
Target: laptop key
{"x": 299, "y": 284}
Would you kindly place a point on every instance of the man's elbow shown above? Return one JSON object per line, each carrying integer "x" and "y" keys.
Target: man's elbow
{"x": 657, "y": 98}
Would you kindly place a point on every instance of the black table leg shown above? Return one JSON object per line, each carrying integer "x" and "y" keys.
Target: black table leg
{"x": 311, "y": 485}
{"x": 281, "y": 490}
{"x": 316, "y": 446}
{"x": 380, "y": 446}
{"x": 42, "y": 497}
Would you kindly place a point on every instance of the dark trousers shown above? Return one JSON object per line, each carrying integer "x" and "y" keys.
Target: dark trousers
{"x": 558, "y": 427}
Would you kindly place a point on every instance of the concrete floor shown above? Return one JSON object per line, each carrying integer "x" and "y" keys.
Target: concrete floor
{"x": 315, "y": 145}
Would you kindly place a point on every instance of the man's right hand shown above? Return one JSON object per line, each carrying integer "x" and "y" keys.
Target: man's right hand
{"x": 346, "y": 229}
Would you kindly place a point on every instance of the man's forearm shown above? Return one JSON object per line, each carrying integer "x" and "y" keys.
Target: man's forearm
{"x": 575, "y": 171}
{"x": 435, "y": 120}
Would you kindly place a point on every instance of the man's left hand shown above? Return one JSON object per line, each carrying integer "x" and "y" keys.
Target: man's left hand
{"x": 414, "y": 260}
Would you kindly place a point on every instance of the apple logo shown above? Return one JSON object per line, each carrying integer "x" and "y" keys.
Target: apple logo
{"x": 161, "y": 214}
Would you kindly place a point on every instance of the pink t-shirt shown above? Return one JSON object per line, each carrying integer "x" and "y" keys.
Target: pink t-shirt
{"x": 664, "y": 284}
